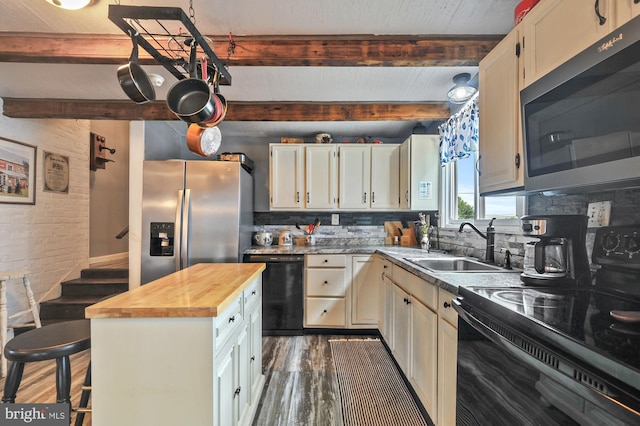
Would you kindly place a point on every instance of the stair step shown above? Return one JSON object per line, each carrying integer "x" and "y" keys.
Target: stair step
{"x": 105, "y": 273}
{"x": 67, "y": 308}
{"x": 94, "y": 286}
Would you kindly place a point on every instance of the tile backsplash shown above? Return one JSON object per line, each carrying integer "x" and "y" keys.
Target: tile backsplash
{"x": 367, "y": 228}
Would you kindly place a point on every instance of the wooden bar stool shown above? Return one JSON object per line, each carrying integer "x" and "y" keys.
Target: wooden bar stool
{"x": 54, "y": 341}
{"x": 4, "y": 321}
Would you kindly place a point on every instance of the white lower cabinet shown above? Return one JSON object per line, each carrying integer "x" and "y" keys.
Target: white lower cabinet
{"x": 384, "y": 301}
{"x": 424, "y": 355}
{"x": 255, "y": 352}
{"x": 364, "y": 290}
{"x": 420, "y": 327}
{"x": 325, "y": 291}
{"x": 447, "y": 360}
{"x": 239, "y": 379}
{"x": 400, "y": 326}
{"x": 225, "y": 386}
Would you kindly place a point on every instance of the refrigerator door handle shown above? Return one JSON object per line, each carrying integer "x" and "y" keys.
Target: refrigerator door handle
{"x": 184, "y": 246}
{"x": 178, "y": 234}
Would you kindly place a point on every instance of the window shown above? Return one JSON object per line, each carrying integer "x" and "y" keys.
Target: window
{"x": 459, "y": 140}
{"x": 461, "y": 200}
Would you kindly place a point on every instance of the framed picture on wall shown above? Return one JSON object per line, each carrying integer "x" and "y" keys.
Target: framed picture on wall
{"x": 17, "y": 172}
{"x": 56, "y": 173}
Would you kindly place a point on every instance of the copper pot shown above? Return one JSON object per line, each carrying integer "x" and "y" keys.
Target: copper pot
{"x": 203, "y": 141}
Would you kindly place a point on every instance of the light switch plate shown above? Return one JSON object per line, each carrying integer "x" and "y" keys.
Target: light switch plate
{"x": 335, "y": 219}
{"x": 599, "y": 214}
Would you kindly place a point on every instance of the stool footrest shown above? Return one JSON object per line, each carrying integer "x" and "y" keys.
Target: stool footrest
{"x": 22, "y": 324}
{"x": 86, "y": 388}
{"x": 82, "y": 410}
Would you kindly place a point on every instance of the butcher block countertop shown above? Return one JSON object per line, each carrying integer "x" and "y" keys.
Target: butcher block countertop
{"x": 202, "y": 290}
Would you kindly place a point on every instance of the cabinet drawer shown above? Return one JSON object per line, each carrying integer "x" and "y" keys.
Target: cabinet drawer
{"x": 252, "y": 294}
{"x": 326, "y": 261}
{"x": 326, "y": 282}
{"x": 325, "y": 312}
{"x": 445, "y": 308}
{"x": 228, "y": 322}
{"x": 426, "y": 292}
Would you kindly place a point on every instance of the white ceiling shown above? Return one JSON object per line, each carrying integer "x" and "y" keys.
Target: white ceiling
{"x": 275, "y": 17}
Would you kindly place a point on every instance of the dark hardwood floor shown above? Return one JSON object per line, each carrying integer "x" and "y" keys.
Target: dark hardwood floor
{"x": 38, "y": 383}
{"x": 301, "y": 386}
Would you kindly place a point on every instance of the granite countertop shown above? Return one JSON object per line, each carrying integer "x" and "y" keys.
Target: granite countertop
{"x": 449, "y": 281}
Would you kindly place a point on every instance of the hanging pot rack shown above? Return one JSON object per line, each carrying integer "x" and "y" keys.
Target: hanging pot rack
{"x": 153, "y": 29}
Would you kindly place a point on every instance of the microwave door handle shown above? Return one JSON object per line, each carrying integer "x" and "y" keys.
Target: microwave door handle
{"x": 178, "y": 230}
{"x": 186, "y": 213}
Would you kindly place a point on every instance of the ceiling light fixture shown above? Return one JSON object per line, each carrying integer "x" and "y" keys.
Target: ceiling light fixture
{"x": 462, "y": 91}
{"x": 71, "y": 4}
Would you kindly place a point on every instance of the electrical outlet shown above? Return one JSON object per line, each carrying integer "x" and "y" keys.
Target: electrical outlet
{"x": 599, "y": 214}
{"x": 335, "y": 219}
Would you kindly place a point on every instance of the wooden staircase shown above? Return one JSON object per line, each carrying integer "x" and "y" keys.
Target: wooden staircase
{"x": 94, "y": 284}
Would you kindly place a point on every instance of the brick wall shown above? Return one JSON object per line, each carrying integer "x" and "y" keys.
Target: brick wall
{"x": 50, "y": 238}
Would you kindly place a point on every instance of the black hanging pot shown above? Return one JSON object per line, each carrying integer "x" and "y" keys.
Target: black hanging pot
{"x": 191, "y": 99}
{"x": 133, "y": 80}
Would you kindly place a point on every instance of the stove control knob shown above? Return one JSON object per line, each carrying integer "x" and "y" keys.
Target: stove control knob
{"x": 611, "y": 242}
{"x": 633, "y": 244}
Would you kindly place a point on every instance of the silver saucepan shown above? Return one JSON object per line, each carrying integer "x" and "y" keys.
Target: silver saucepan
{"x": 191, "y": 99}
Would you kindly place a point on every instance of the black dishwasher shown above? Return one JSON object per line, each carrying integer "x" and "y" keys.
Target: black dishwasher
{"x": 282, "y": 293}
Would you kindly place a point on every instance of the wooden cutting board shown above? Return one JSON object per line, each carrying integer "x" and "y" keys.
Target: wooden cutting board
{"x": 391, "y": 228}
{"x": 406, "y": 236}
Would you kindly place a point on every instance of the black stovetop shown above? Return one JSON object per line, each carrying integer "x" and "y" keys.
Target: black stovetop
{"x": 582, "y": 316}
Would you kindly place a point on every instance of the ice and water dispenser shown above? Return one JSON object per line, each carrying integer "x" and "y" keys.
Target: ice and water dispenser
{"x": 161, "y": 238}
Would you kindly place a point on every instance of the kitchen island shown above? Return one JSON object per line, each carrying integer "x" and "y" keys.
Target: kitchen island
{"x": 184, "y": 349}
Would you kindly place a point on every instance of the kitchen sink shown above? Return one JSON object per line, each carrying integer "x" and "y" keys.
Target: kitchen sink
{"x": 454, "y": 264}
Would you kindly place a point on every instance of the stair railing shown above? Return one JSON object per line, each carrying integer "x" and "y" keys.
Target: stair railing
{"x": 122, "y": 233}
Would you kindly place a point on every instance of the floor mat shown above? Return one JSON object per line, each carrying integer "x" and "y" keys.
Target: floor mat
{"x": 372, "y": 391}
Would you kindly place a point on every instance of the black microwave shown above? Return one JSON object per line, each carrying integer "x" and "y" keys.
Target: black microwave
{"x": 581, "y": 121}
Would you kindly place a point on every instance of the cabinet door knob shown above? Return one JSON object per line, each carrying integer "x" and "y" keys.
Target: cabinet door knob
{"x": 324, "y": 312}
{"x": 326, "y": 261}
{"x": 237, "y": 391}
{"x": 325, "y": 283}
{"x": 253, "y": 293}
{"x": 253, "y": 358}
{"x": 232, "y": 319}
{"x": 307, "y": 197}
{"x": 446, "y": 304}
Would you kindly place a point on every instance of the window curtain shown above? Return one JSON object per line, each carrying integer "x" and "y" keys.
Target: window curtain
{"x": 459, "y": 134}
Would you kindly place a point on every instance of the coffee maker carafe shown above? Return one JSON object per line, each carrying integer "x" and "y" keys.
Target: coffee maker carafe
{"x": 559, "y": 256}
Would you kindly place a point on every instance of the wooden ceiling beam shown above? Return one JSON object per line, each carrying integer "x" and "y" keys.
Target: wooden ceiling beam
{"x": 322, "y": 50}
{"x": 237, "y": 111}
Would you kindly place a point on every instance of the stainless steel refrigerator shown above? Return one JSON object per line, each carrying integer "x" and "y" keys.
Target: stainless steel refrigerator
{"x": 194, "y": 212}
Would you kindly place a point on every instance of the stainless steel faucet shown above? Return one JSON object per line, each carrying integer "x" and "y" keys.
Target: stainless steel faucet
{"x": 490, "y": 237}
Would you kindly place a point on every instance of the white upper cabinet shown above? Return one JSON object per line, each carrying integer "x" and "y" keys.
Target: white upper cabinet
{"x": 501, "y": 161}
{"x": 369, "y": 177}
{"x": 385, "y": 177}
{"x": 286, "y": 176}
{"x": 355, "y": 177}
{"x": 302, "y": 177}
{"x": 320, "y": 177}
{"x": 626, "y": 10}
{"x": 419, "y": 172}
{"x": 555, "y": 31}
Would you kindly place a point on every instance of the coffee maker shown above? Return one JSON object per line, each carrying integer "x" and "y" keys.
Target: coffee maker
{"x": 559, "y": 257}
